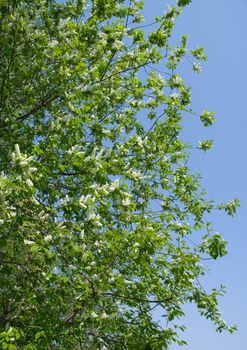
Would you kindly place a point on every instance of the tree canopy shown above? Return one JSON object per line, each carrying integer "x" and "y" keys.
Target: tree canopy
{"x": 98, "y": 206}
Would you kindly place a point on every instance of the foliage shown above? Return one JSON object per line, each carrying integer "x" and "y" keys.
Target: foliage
{"x": 98, "y": 206}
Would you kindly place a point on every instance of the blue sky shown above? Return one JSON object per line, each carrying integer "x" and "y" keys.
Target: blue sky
{"x": 219, "y": 26}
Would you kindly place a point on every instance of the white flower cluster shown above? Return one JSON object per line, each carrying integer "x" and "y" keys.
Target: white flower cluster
{"x": 28, "y": 242}
{"x": 140, "y": 141}
{"x": 63, "y": 22}
{"x": 197, "y": 68}
{"x": 135, "y": 175}
{"x": 126, "y": 198}
{"x": 43, "y": 216}
{"x": 24, "y": 162}
{"x": 75, "y": 150}
{"x": 177, "y": 81}
{"x": 118, "y": 45}
{"x": 109, "y": 188}
{"x": 87, "y": 202}
{"x": 96, "y": 155}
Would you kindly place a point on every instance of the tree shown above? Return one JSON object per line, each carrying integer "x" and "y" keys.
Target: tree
{"x": 98, "y": 204}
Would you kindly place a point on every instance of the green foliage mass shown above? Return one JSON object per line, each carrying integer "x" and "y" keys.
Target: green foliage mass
{"x": 97, "y": 204}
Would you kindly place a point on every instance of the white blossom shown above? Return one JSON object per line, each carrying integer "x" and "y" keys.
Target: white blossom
{"x": 82, "y": 234}
{"x": 23, "y": 163}
{"x": 104, "y": 315}
{"x": 86, "y": 201}
{"x": 126, "y": 202}
{"x": 17, "y": 150}
{"x": 28, "y": 242}
{"x": 91, "y": 215}
{"x": 29, "y": 183}
{"x": 48, "y": 238}
{"x": 34, "y": 200}
{"x": 114, "y": 185}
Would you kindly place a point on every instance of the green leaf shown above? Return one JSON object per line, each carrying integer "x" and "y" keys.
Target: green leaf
{"x": 207, "y": 118}
{"x": 184, "y": 2}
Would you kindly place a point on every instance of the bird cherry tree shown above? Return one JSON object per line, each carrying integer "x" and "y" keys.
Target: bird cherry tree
{"x": 98, "y": 205}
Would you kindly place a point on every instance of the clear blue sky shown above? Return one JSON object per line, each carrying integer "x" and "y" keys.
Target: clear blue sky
{"x": 220, "y": 26}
